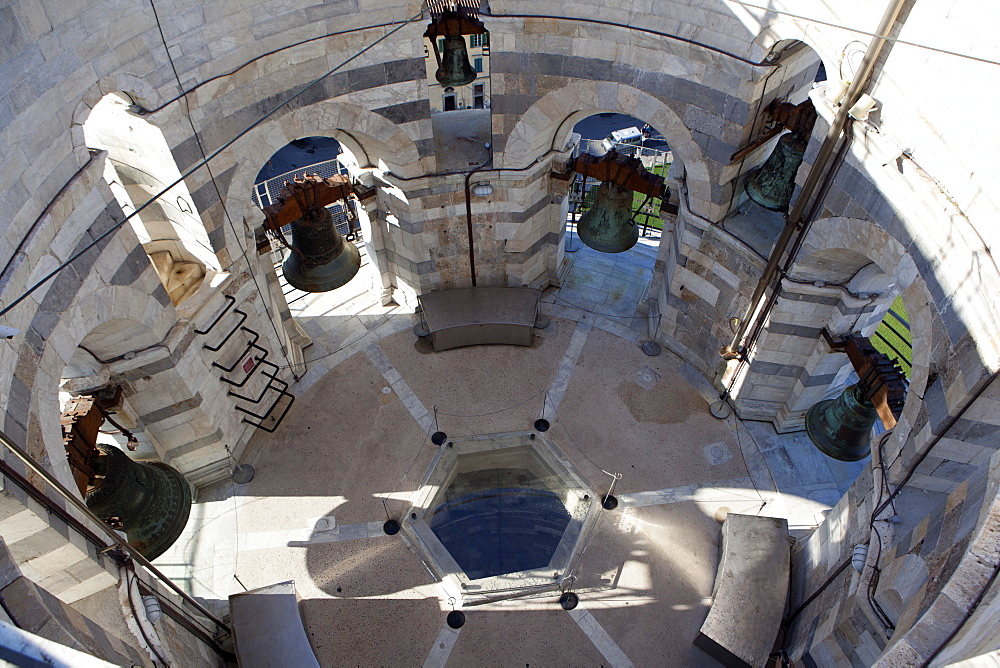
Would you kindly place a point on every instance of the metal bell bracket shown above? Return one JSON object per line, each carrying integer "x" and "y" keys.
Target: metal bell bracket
{"x": 881, "y": 378}
{"x": 780, "y": 116}
{"x": 301, "y": 196}
{"x": 451, "y": 22}
{"x": 622, "y": 170}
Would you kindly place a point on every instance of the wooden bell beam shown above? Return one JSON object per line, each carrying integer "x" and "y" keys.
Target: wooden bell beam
{"x": 622, "y": 170}
{"x": 454, "y": 21}
{"x": 882, "y": 379}
{"x": 305, "y": 194}
{"x": 780, "y": 116}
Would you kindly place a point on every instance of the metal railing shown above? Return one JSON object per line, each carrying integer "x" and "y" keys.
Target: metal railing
{"x": 652, "y": 156}
{"x": 266, "y": 192}
{"x": 899, "y": 345}
{"x": 115, "y": 541}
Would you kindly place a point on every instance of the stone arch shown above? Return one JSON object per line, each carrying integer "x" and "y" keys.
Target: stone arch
{"x": 865, "y": 239}
{"x": 549, "y": 122}
{"x": 141, "y": 92}
{"x": 363, "y": 131}
{"x": 830, "y": 263}
{"x": 808, "y": 33}
{"x": 141, "y": 320}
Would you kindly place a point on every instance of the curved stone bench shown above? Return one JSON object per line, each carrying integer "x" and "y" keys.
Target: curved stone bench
{"x": 475, "y": 316}
{"x": 268, "y": 628}
{"x": 751, "y": 585}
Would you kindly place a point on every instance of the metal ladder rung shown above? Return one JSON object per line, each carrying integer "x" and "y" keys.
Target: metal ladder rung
{"x": 250, "y": 346}
{"x": 230, "y": 301}
{"x": 250, "y": 374}
{"x": 281, "y": 417}
{"x": 243, "y": 319}
{"x": 270, "y": 384}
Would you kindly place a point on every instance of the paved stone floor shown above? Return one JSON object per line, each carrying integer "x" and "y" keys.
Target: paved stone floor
{"x": 358, "y": 435}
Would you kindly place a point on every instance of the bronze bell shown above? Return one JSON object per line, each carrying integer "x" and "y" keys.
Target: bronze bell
{"x": 841, "y": 428}
{"x": 608, "y": 225}
{"x": 321, "y": 259}
{"x": 151, "y": 500}
{"x": 773, "y": 183}
{"x": 455, "y": 68}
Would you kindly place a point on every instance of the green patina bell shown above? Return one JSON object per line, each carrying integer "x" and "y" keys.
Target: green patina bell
{"x": 455, "y": 69}
{"x": 608, "y": 226}
{"x": 841, "y": 428}
{"x": 773, "y": 183}
{"x": 327, "y": 262}
{"x": 151, "y": 500}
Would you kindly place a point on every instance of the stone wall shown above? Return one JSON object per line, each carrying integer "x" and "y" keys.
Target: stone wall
{"x": 914, "y": 196}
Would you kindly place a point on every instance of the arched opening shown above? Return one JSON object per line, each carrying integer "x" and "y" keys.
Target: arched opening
{"x": 769, "y": 162}
{"x": 614, "y": 282}
{"x": 324, "y": 157}
{"x": 139, "y": 167}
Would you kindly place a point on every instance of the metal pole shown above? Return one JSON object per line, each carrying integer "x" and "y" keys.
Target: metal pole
{"x": 575, "y": 200}
{"x": 115, "y": 538}
{"x": 794, "y": 218}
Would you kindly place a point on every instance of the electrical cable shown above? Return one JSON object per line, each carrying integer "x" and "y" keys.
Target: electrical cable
{"x": 739, "y": 444}
{"x": 44, "y": 212}
{"x": 199, "y": 165}
{"x": 265, "y": 55}
{"x": 819, "y": 590}
{"x": 876, "y": 571}
{"x": 501, "y": 410}
{"x": 937, "y": 439}
{"x": 648, "y": 31}
{"x": 966, "y": 617}
{"x": 606, "y": 315}
{"x": 131, "y": 604}
{"x": 863, "y": 32}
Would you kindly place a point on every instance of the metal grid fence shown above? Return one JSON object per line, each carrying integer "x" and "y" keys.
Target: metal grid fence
{"x": 266, "y": 192}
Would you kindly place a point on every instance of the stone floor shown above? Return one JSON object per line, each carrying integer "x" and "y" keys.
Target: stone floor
{"x": 358, "y": 435}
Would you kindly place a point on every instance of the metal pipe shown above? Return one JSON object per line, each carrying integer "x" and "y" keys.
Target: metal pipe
{"x": 116, "y": 539}
{"x": 468, "y": 217}
{"x": 795, "y": 216}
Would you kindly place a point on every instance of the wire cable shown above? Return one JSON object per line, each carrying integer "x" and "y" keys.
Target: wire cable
{"x": 131, "y": 604}
{"x": 606, "y": 315}
{"x": 501, "y": 410}
{"x": 865, "y": 32}
{"x": 218, "y": 192}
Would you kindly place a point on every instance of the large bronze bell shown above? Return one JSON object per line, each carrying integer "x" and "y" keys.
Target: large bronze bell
{"x": 321, "y": 259}
{"x": 841, "y": 428}
{"x": 773, "y": 183}
{"x": 608, "y": 225}
{"x": 151, "y": 500}
{"x": 455, "y": 68}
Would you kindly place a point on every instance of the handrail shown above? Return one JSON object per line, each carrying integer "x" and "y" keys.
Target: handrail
{"x": 115, "y": 538}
